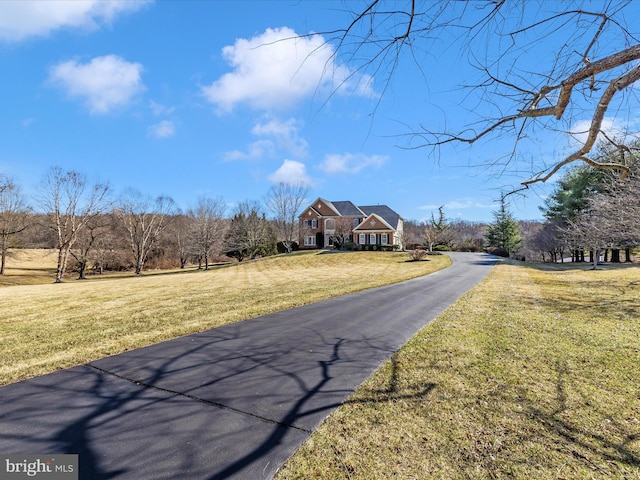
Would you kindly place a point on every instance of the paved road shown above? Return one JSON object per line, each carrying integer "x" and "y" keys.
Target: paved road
{"x": 232, "y": 402}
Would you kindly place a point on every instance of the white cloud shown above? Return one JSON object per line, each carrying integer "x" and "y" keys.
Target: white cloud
{"x": 104, "y": 83}
{"x": 255, "y": 151}
{"x": 276, "y": 69}
{"x": 279, "y": 137}
{"x": 292, "y": 173}
{"x": 285, "y": 135}
{"x": 351, "y": 163}
{"x": 610, "y": 126}
{"x": 458, "y": 205}
{"x": 159, "y": 109}
{"x": 163, "y": 129}
{"x": 22, "y": 19}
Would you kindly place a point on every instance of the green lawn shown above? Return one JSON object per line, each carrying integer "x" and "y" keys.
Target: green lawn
{"x": 532, "y": 375}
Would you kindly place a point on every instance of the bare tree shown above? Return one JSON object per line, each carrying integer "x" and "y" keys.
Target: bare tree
{"x": 207, "y": 227}
{"x": 14, "y": 217}
{"x": 180, "y": 233}
{"x": 467, "y": 236}
{"x": 87, "y": 241}
{"x": 70, "y": 203}
{"x": 284, "y": 201}
{"x": 585, "y": 56}
{"x": 412, "y": 234}
{"x": 611, "y": 219}
{"x": 342, "y": 231}
{"x": 144, "y": 219}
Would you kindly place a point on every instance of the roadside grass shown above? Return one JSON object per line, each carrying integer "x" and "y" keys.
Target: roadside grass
{"x": 48, "y": 327}
{"x": 533, "y": 374}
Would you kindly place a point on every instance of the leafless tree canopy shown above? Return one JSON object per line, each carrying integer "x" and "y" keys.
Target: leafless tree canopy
{"x": 207, "y": 227}
{"x": 540, "y": 66}
{"x": 14, "y": 217}
{"x": 144, "y": 219}
{"x": 70, "y": 202}
{"x": 284, "y": 202}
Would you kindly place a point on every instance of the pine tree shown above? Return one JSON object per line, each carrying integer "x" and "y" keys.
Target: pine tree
{"x": 504, "y": 232}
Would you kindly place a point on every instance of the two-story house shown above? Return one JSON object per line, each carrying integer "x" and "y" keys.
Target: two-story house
{"x": 325, "y": 223}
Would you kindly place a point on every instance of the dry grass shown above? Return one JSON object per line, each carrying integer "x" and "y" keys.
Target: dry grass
{"x": 52, "y": 326}
{"x": 531, "y": 375}
{"x": 29, "y": 267}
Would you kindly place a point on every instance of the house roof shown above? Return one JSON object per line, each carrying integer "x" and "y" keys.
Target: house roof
{"x": 384, "y": 212}
{"x": 347, "y": 209}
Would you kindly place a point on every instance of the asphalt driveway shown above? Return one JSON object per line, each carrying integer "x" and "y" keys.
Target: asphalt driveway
{"x": 232, "y": 402}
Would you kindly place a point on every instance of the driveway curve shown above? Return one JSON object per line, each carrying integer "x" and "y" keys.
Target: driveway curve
{"x": 232, "y": 402}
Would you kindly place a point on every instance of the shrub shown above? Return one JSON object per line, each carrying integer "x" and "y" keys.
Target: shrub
{"x": 500, "y": 252}
{"x": 441, "y": 248}
{"x": 417, "y": 255}
{"x": 350, "y": 246}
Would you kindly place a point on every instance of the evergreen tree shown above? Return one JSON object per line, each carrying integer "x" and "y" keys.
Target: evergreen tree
{"x": 504, "y": 232}
{"x": 250, "y": 233}
{"x": 441, "y": 228}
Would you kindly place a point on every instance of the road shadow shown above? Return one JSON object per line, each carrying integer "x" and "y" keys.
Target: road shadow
{"x": 154, "y": 417}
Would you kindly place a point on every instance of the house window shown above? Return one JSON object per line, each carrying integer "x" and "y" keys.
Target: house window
{"x": 384, "y": 238}
{"x": 356, "y": 222}
{"x": 314, "y": 223}
{"x": 310, "y": 241}
{"x": 362, "y": 238}
{"x": 305, "y": 223}
{"x": 372, "y": 239}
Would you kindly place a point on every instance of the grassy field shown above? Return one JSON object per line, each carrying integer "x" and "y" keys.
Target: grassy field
{"x": 534, "y": 374}
{"x": 51, "y": 326}
{"x": 29, "y": 267}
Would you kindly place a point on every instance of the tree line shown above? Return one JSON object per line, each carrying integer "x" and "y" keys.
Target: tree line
{"x": 593, "y": 214}
{"x": 92, "y": 230}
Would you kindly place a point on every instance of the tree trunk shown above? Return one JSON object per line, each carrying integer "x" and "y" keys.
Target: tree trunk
{"x": 3, "y": 254}
{"x": 63, "y": 253}
{"x": 139, "y": 266}
{"x": 615, "y": 255}
{"x": 627, "y": 254}
{"x": 82, "y": 267}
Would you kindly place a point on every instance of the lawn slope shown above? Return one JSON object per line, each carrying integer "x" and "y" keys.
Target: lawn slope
{"x": 531, "y": 375}
{"x": 48, "y": 327}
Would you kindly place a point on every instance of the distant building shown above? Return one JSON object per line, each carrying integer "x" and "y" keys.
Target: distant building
{"x": 325, "y": 224}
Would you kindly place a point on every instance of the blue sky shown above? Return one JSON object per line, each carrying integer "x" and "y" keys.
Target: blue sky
{"x": 190, "y": 98}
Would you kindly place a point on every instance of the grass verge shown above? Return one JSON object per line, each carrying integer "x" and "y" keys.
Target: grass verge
{"x": 47, "y": 327}
{"x": 532, "y": 375}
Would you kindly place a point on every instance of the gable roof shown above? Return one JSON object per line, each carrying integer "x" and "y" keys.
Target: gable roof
{"x": 373, "y": 222}
{"x": 384, "y": 212}
{"x": 346, "y": 208}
